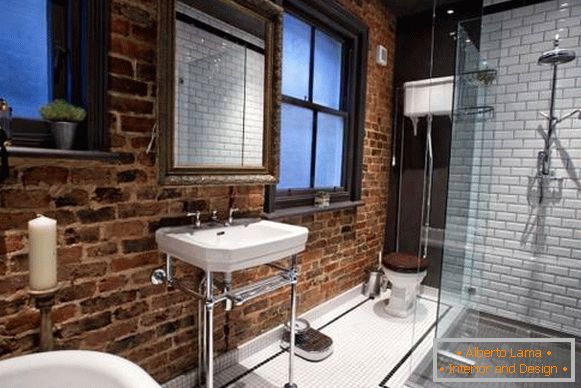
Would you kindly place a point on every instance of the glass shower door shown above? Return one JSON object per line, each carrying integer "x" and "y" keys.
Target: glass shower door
{"x": 512, "y": 255}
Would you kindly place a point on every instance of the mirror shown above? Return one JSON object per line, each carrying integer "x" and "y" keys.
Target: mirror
{"x": 219, "y": 81}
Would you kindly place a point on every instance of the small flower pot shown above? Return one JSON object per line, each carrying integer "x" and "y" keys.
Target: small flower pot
{"x": 322, "y": 200}
{"x": 63, "y": 133}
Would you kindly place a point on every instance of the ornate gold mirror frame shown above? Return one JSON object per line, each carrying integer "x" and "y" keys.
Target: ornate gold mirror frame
{"x": 170, "y": 174}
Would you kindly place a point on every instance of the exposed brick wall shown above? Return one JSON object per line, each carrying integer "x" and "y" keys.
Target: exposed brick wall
{"x": 107, "y": 214}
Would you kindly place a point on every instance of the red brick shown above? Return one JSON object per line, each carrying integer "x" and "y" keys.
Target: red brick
{"x": 132, "y": 49}
{"x": 127, "y": 86}
{"x": 146, "y": 72}
{"x": 69, "y": 254}
{"x": 12, "y": 284}
{"x": 64, "y": 313}
{"x": 136, "y": 124}
{"x": 124, "y": 229}
{"x": 112, "y": 283}
{"x": 131, "y": 105}
{"x": 110, "y": 333}
{"x": 11, "y": 243}
{"x": 146, "y": 34}
{"x": 75, "y": 292}
{"x": 120, "y": 66}
{"x": 16, "y": 220}
{"x": 132, "y": 13}
{"x": 25, "y": 199}
{"x": 106, "y": 302}
{"x": 75, "y": 197}
{"x": 92, "y": 176}
{"x": 83, "y": 270}
{"x": 131, "y": 262}
{"x": 120, "y": 25}
{"x": 49, "y": 175}
{"x": 23, "y": 321}
{"x": 141, "y": 209}
{"x": 103, "y": 249}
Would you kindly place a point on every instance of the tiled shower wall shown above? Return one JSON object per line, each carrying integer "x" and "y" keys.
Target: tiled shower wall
{"x": 524, "y": 259}
{"x": 219, "y": 94}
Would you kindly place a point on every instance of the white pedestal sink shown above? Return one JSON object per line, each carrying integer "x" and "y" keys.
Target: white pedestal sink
{"x": 227, "y": 249}
{"x": 232, "y": 248}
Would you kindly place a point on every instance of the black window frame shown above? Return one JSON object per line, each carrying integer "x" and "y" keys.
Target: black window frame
{"x": 334, "y": 20}
{"x": 79, "y": 32}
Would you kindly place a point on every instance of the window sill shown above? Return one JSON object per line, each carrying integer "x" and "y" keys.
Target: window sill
{"x": 50, "y": 153}
{"x": 307, "y": 210}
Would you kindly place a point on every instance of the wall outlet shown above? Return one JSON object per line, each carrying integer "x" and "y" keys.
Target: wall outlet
{"x": 381, "y": 55}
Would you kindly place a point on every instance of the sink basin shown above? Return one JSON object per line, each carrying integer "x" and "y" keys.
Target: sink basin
{"x": 232, "y": 248}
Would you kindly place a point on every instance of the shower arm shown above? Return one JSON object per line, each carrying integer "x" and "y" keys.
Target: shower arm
{"x": 552, "y": 118}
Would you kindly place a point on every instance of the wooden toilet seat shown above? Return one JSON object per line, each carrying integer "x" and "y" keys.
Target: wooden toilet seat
{"x": 405, "y": 262}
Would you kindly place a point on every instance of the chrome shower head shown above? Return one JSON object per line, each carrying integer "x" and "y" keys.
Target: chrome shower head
{"x": 557, "y": 56}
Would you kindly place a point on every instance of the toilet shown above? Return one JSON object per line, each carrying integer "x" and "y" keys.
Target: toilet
{"x": 405, "y": 272}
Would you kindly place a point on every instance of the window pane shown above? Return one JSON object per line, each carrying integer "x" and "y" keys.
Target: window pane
{"x": 327, "y": 82}
{"x": 296, "y": 145}
{"x": 329, "y": 160}
{"x": 24, "y": 63}
{"x": 296, "y": 57}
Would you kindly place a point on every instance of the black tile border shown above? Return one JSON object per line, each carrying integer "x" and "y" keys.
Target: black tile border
{"x": 343, "y": 314}
{"x": 392, "y": 372}
{"x": 508, "y": 5}
{"x": 280, "y": 352}
{"x": 255, "y": 367}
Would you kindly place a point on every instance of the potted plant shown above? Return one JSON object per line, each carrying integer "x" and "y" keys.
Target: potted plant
{"x": 64, "y": 118}
{"x": 322, "y": 199}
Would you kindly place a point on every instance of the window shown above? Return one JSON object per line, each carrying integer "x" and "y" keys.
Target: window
{"x": 53, "y": 49}
{"x": 322, "y": 113}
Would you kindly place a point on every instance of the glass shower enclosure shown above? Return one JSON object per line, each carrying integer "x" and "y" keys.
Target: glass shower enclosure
{"x": 511, "y": 265}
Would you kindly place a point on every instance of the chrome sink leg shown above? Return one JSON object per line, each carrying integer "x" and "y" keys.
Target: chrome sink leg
{"x": 293, "y": 313}
{"x": 201, "y": 333}
{"x": 169, "y": 268}
{"x": 209, "y": 331}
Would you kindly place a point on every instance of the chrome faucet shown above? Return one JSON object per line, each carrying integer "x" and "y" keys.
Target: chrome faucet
{"x": 231, "y": 215}
{"x": 197, "y": 223}
{"x": 214, "y": 216}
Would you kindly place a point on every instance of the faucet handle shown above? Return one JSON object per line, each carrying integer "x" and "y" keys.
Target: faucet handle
{"x": 197, "y": 215}
{"x": 231, "y": 214}
{"x": 214, "y": 216}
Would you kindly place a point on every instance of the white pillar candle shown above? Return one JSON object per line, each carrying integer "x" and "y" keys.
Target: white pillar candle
{"x": 42, "y": 253}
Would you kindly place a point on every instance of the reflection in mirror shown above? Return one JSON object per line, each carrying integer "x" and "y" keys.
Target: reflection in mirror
{"x": 219, "y": 93}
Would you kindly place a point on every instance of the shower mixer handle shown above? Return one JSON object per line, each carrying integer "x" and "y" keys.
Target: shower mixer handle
{"x": 542, "y": 165}
{"x": 545, "y": 115}
{"x": 570, "y": 114}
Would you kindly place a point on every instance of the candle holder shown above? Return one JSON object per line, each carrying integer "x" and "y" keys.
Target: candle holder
{"x": 44, "y": 300}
